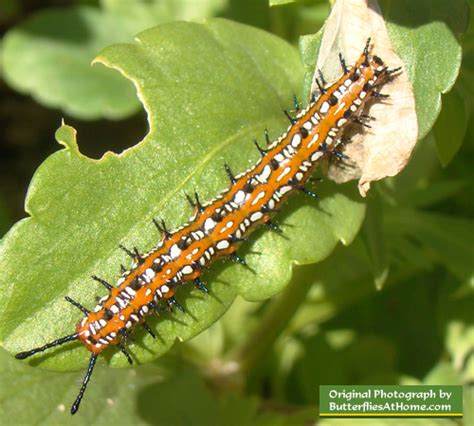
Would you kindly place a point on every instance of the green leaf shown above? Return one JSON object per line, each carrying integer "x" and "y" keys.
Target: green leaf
{"x": 374, "y": 239}
{"x": 456, "y": 323}
{"x": 35, "y": 396}
{"x": 208, "y": 90}
{"x": 424, "y": 34}
{"x": 49, "y": 55}
{"x": 442, "y": 236}
{"x": 155, "y": 11}
{"x": 450, "y": 126}
{"x": 141, "y": 396}
{"x": 279, "y": 2}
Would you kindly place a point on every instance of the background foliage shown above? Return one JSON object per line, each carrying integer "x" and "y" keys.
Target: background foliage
{"x": 330, "y": 324}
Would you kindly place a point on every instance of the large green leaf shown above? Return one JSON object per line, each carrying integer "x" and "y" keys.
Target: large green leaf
{"x": 136, "y": 397}
{"x": 424, "y": 34}
{"x": 49, "y": 55}
{"x": 208, "y": 89}
{"x": 451, "y": 126}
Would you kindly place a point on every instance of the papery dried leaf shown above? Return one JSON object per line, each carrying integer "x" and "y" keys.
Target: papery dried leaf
{"x": 384, "y": 149}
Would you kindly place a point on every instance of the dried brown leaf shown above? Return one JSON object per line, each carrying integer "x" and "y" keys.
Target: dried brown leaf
{"x": 385, "y": 149}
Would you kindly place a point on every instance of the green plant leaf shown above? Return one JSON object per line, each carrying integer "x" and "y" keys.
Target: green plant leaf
{"x": 208, "y": 90}
{"x": 441, "y": 236}
{"x": 374, "y": 239}
{"x": 163, "y": 10}
{"x": 450, "y": 127}
{"x": 35, "y": 396}
{"x": 280, "y": 2}
{"x": 49, "y": 55}
{"x": 140, "y": 397}
{"x": 424, "y": 34}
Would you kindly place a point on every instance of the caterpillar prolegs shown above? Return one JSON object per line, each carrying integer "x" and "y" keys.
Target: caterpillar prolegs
{"x": 219, "y": 226}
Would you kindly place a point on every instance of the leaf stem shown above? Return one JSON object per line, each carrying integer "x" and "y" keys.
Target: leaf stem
{"x": 274, "y": 321}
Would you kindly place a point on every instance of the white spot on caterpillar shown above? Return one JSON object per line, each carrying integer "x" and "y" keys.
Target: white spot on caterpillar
{"x": 150, "y": 273}
{"x": 284, "y": 189}
{"x": 114, "y": 309}
{"x": 324, "y": 108}
{"x": 130, "y": 291}
{"x": 254, "y": 217}
{"x": 175, "y": 251}
{"x": 299, "y": 176}
{"x": 239, "y": 197}
{"x": 209, "y": 224}
{"x": 164, "y": 288}
{"x": 341, "y": 122}
{"x": 222, "y": 245}
{"x": 285, "y": 171}
{"x": 121, "y": 302}
{"x": 258, "y": 198}
{"x": 296, "y": 140}
{"x": 314, "y": 140}
{"x": 187, "y": 270}
{"x": 102, "y": 322}
{"x": 316, "y": 155}
{"x": 308, "y": 125}
{"x": 266, "y": 172}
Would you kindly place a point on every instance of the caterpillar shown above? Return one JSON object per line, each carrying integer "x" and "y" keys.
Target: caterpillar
{"x": 219, "y": 226}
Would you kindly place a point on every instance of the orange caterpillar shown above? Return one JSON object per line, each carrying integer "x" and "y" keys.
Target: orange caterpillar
{"x": 219, "y": 226}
